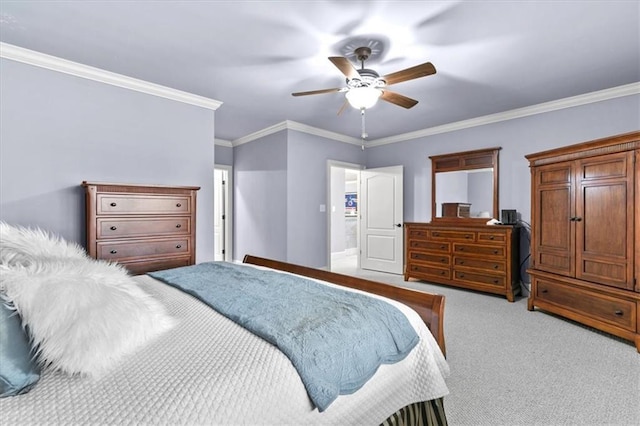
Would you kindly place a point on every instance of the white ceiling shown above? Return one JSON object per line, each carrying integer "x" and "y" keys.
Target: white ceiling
{"x": 490, "y": 56}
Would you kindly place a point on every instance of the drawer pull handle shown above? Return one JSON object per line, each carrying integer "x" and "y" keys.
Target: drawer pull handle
{"x": 495, "y": 252}
{"x": 178, "y": 205}
{"x": 495, "y": 266}
{"x": 491, "y": 237}
{"x": 113, "y": 204}
{"x": 544, "y": 291}
{"x": 467, "y": 236}
{"x": 495, "y": 281}
{"x": 178, "y": 226}
{"x": 442, "y": 272}
{"x": 461, "y": 262}
{"x": 113, "y": 251}
{"x": 436, "y": 234}
{"x": 461, "y": 275}
{"x": 461, "y": 249}
{"x": 442, "y": 247}
{"x": 113, "y": 228}
{"x": 618, "y": 313}
{"x": 178, "y": 246}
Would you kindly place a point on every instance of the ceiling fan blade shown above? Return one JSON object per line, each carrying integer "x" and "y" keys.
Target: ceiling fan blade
{"x": 398, "y": 99}
{"x": 342, "y": 108}
{"x": 418, "y": 71}
{"x": 345, "y": 67}
{"x": 317, "y": 92}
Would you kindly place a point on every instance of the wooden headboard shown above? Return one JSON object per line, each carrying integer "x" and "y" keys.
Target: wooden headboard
{"x": 429, "y": 306}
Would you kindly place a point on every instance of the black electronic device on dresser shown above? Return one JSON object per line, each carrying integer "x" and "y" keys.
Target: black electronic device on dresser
{"x": 509, "y": 217}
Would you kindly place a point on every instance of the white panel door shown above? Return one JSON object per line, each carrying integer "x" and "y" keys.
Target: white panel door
{"x": 381, "y": 234}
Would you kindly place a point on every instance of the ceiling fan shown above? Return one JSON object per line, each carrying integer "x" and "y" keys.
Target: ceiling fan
{"x": 365, "y": 86}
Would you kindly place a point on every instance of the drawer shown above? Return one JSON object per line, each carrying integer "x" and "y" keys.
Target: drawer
{"x": 453, "y": 235}
{"x": 492, "y": 237}
{"x": 495, "y": 251}
{"x": 485, "y": 279}
{"x": 108, "y": 204}
{"x": 142, "y": 227}
{"x": 489, "y": 265}
{"x": 426, "y": 271}
{"x": 430, "y": 245}
{"x": 144, "y": 266}
{"x": 418, "y": 234}
{"x": 139, "y": 248}
{"x": 440, "y": 259}
{"x": 619, "y": 312}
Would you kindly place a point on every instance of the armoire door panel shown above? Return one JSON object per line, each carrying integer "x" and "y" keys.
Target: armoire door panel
{"x": 554, "y": 175}
{"x": 604, "y": 272}
{"x": 613, "y": 167}
{"x": 550, "y": 261}
{"x": 555, "y": 218}
{"x": 604, "y": 246}
{"x": 553, "y": 209}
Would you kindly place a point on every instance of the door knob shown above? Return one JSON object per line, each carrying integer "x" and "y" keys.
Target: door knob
{"x": 399, "y": 225}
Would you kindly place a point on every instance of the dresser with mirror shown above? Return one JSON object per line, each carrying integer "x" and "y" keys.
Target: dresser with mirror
{"x": 458, "y": 247}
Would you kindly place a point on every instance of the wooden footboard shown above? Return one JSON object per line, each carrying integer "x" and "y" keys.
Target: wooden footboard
{"x": 429, "y": 306}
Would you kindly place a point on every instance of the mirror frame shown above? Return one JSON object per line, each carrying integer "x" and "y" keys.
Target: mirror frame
{"x": 467, "y": 160}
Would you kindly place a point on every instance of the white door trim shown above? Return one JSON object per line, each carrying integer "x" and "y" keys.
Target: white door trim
{"x": 228, "y": 231}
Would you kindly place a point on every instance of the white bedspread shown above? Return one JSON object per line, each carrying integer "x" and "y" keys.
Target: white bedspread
{"x": 208, "y": 370}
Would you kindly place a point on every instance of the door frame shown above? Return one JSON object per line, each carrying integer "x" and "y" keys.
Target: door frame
{"x": 228, "y": 211}
{"x": 343, "y": 165}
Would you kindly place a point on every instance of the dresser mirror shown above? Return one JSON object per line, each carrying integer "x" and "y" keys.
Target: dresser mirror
{"x": 464, "y": 186}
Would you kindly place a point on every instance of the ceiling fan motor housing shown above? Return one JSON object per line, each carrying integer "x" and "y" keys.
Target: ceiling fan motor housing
{"x": 368, "y": 78}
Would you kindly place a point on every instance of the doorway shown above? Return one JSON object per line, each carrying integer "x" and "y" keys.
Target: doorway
{"x": 223, "y": 213}
{"x": 343, "y": 217}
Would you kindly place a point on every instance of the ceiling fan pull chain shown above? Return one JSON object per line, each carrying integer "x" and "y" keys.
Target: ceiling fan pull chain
{"x": 364, "y": 133}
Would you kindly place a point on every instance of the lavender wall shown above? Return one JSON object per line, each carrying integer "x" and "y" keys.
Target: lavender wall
{"x": 307, "y": 181}
{"x": 260, "y": 198}
{"x": 224, "y": 155}
{"x": 58, "y": 130}
{"x": 517, "y": 138}
{"x": 280, "y": 183}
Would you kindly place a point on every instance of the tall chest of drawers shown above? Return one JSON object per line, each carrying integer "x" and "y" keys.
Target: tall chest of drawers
{"x": 143, "y": 227}
{"x": 478, "y": 257}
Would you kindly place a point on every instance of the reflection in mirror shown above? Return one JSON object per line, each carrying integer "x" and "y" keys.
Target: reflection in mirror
{"x": 464, "y": 186}
{"x": 465, "y": 193}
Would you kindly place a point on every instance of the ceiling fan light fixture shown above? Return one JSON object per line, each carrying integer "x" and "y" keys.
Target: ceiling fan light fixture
{"x": 363, "y": 97}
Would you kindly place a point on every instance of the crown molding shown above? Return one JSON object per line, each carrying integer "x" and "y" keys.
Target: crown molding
{"x": 293, "y": 125}
{"x": 30, "y": 57}
{"x": 53, "y": 63}
{"x": 587, "y": 98}
{"x": 222, "y": 142}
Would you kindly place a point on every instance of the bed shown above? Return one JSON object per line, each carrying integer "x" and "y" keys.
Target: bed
{"x": 207, "y": 369}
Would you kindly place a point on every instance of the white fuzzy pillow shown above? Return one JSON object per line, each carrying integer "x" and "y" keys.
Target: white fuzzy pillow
{"x": 83, "y": 315}
{"x": 25, "y": 246}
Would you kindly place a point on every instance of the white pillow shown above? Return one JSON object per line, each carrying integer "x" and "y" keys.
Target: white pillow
{"x": 24, "y": 246}
{"x": 83, "y": 315}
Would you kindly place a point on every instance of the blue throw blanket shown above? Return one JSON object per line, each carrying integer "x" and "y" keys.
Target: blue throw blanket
{"x": 336, "y": 339}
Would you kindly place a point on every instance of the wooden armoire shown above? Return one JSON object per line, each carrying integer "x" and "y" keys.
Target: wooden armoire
{"x": 585, "y": 212}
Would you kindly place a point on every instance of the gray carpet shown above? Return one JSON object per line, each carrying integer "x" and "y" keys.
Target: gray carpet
{"x": 510, "y": 366}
